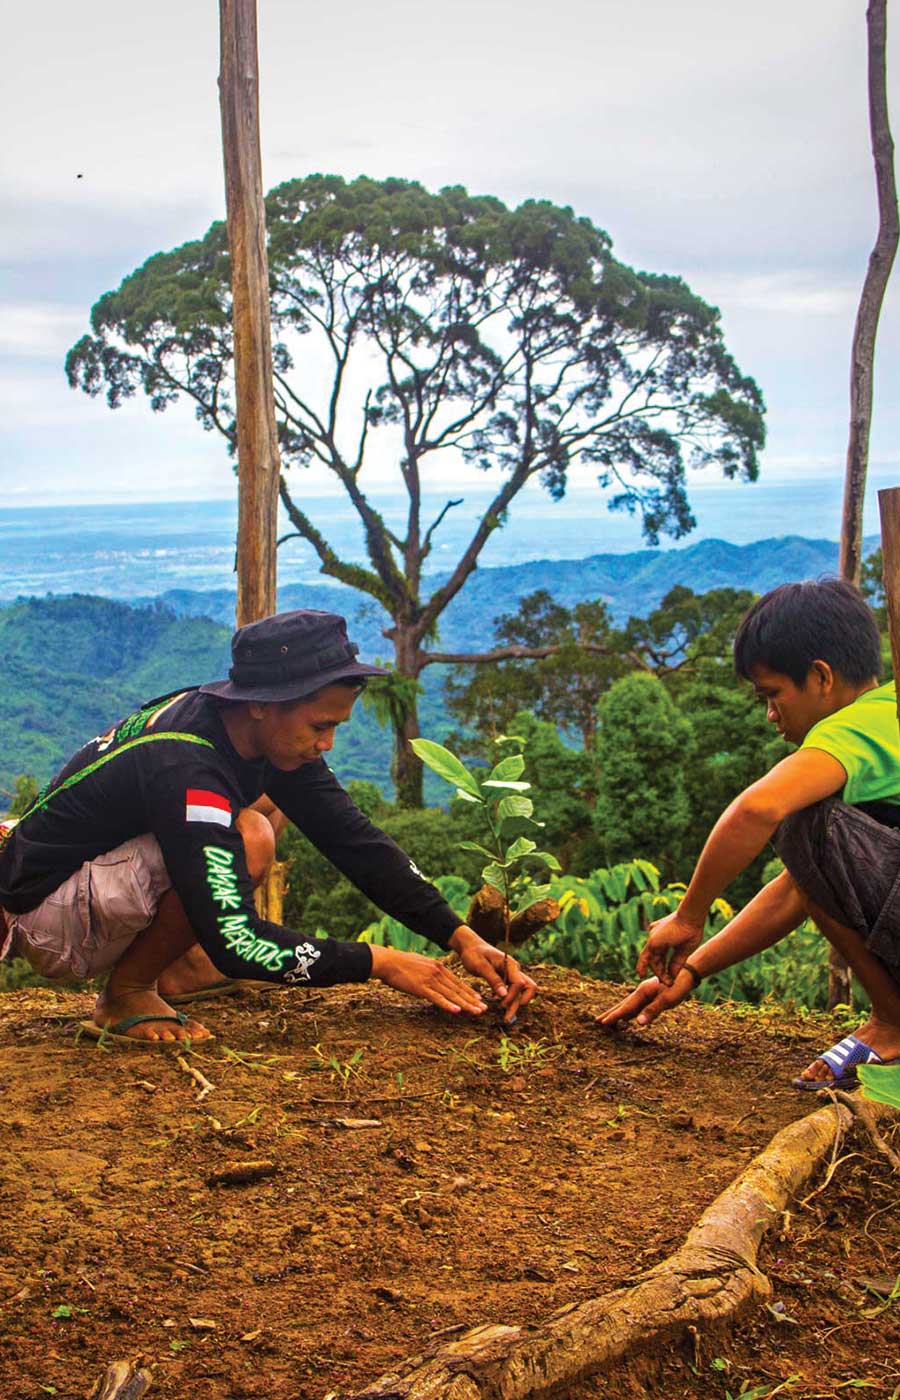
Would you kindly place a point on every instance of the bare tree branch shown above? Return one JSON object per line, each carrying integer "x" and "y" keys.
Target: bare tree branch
{"x": 517, "y": 652}
{"x": 426, "y": 543}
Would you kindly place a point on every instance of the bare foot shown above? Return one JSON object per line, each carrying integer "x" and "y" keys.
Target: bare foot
{"x": 880, "y": 1036}
{"x": 110, "y": 1009}
{"x": 192, "y": 972}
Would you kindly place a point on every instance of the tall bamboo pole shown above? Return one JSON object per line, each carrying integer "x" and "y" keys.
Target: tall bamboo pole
{"x": 259, "y": 464}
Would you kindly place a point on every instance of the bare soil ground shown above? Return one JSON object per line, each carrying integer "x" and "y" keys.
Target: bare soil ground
{"x": 425, "y": 1175}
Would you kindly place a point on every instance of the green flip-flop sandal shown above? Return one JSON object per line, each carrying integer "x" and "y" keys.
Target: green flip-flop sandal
{"x": 116, "y": 1033}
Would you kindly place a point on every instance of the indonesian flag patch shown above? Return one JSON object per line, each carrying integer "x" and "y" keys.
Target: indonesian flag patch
{"x": 203, "y": 806}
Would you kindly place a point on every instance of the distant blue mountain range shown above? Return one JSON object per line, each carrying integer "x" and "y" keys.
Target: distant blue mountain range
{"x": 74, "y": 664}
{"x": 630, "y": 584}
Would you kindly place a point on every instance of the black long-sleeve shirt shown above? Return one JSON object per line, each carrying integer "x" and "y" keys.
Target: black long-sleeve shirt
{"x": 170, "y": 769}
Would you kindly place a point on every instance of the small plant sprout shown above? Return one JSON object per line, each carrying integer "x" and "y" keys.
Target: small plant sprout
{"x": 522, "y": 1054}
{"x": 502, "y": 802}
{"x": 340, "y": 1069}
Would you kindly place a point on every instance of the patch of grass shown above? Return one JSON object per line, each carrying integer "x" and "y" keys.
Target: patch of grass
{"x": 19, "y": 973}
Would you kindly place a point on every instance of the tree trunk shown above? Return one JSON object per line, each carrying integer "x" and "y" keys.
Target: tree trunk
{"x": 408, "y": 780}
{"x": 840, "y": 981}
{"x": 862, "y": 355}
{"x": 889, "y": 508}
{"x": 406, "y": 768}
{"x": 879, "y": 270}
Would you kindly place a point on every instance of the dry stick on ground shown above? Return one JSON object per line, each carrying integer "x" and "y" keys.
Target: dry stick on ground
{"x": 201, "y": 1079}
{"x": 710, "y": 1280}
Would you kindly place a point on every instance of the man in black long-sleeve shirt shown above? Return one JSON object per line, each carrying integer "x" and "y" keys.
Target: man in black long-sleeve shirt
{"x": 142, "y": 853}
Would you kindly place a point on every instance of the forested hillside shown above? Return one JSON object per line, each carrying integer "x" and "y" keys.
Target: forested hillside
{"x": 72, "y": 665}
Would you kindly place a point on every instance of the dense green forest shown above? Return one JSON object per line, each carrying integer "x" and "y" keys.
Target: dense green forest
{"x": 633, "y": 748}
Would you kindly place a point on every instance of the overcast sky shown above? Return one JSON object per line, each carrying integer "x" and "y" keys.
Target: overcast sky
{"x": 726, "y": 143}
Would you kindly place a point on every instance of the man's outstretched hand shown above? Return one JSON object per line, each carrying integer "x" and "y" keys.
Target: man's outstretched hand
{"x": 432, "y": 980}
{"x": 648, "y": 1000}
{"x": 504, "y": 976}
{"x": 424, "y": 977}
{"x": 674, "y": 934}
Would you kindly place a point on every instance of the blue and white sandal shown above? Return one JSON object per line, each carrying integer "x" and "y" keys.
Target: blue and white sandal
{"x": 842, "y": 1059}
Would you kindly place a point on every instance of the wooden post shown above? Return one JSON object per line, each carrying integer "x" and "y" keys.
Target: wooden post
{"x": 889, "y": 510}
{"x": 862, "y": 355}
{"x": 259, "y": 464}
{"x": 881, "y": 261}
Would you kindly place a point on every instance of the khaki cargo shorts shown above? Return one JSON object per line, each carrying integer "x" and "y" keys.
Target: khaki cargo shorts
{"x": 84, "y": 927}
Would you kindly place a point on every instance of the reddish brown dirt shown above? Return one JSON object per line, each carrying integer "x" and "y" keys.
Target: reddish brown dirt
{"x": 497, "y": 1179}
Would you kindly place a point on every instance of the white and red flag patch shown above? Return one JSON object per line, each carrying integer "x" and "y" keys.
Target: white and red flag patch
{"x": 204, "y": 806}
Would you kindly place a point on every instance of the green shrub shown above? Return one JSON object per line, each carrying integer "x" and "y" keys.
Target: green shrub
{"x": 603, "y": 926}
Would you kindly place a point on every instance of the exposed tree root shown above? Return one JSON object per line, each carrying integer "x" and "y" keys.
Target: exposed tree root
{"x": 864, "y": 1114}
{"x": 709, "y": 1281}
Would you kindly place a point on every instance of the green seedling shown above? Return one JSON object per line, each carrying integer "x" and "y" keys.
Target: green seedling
{"x": 501, "y": 802}
{"x": 521, "y": 1054}
{"x": 462, "y": 1054}
{"x": 340, "y": 1069}
{"x": 66, "y": 1310}
{"x": 762, "y": 1392}
{"x": 176, "y": 1345}
{"x": 885, "y": 1302}
{"x": 248, "y": 1119}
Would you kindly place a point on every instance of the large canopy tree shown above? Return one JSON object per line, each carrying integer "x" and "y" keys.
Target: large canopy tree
{"x": 440, "y": 328}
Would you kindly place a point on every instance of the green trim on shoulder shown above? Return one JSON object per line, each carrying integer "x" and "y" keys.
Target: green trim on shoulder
{"x": 43, "y": 799}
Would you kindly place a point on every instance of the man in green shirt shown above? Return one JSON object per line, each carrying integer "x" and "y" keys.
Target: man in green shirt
{"x": 812, "y": 652}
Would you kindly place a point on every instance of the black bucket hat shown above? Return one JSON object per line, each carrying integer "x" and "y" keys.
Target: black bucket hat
{"x": 290, "y": 655}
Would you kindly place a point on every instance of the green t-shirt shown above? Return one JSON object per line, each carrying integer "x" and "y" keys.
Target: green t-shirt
{"x": 864, "y": 737}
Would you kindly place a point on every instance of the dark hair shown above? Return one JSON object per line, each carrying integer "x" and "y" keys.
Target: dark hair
{"x": 799, "y": 623}
{"x": 357, "y": 683}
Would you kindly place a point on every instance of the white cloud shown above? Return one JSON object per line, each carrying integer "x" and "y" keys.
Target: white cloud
{"x": 39, "y": 331}
{"x": 727, "y": 143}
{"x": 791, "y": 293}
